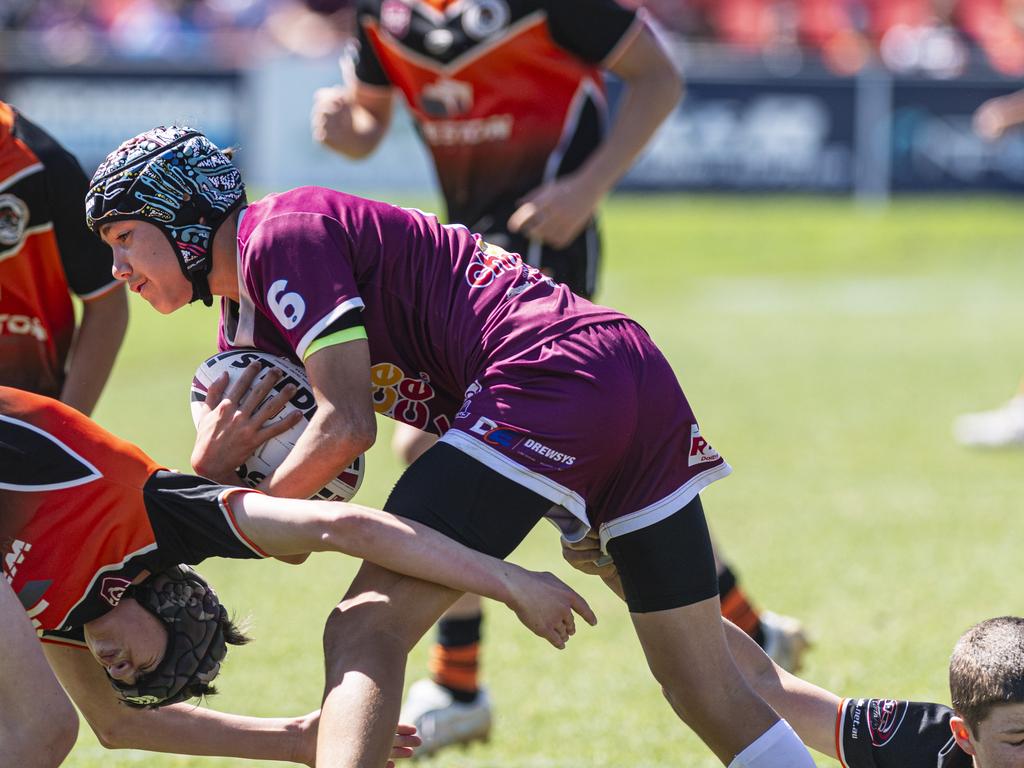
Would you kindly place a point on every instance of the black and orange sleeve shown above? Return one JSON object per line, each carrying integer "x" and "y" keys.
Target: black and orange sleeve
{"x": 887, "y": 733}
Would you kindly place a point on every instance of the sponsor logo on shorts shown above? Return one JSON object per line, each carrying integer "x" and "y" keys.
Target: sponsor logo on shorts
{"x": 701, "y": 451}
{"x": 884, "y": 718}
{"x": 471, "y": 390}
{"x": 112, "y": 589}
{"x": 504, "y": 437}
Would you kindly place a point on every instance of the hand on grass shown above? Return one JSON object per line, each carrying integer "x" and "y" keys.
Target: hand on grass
{"x": 233, "y": 422}
{"x": 545, "y": 604}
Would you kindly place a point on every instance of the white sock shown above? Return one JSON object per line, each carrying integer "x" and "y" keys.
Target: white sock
{"x": 778, "y": 747}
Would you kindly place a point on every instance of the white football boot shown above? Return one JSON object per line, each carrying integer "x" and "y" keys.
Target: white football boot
{"x": 785, "y": 640}
{"x": 441, "y": 720}
{"x": 999, "y": 428}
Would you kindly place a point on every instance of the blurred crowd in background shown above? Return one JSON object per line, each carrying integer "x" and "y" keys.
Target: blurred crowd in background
{"x": 936, "y": 38}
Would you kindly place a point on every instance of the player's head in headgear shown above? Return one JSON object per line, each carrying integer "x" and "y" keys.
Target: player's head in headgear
{"x": 986, "y": 683}
{"x": 176, "y": 179}
{"x": 177, "y": 656}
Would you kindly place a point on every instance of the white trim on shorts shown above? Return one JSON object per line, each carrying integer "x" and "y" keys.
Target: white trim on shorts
{"x": 540, "y": 484}
{"x": 666, "y": 507}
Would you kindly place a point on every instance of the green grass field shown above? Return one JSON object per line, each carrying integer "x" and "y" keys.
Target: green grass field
{"x": 826, "y": 348}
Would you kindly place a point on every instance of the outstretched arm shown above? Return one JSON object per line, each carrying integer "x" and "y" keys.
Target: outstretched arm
{"x": 290, "y": 527}
{"x": 186, "y": 728}
{"x": 809, "y": 709}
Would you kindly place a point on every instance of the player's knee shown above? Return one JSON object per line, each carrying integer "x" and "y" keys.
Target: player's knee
{"x": 362, "y": 624}
{"x": 45, "y": 749}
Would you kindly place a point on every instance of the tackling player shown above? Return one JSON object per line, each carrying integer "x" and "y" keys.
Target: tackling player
{"x": 509, "y": 98}
{"x": 984, "y": 729}
{"x": 92, "y": 532}
{"x": 45, "y": 254}
{"x": 393, "y": 312}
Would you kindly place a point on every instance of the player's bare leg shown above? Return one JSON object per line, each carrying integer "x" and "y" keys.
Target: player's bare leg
{"x": 39, "y": 725}
{"x": 711, "y": 696}
{"x": 366, "y": 642}
{"x": 449, "y": 707}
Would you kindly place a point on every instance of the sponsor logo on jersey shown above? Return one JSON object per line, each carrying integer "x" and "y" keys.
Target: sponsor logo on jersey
{"x": 467, "y": 133}
{"x": 485, "y": 17}
{"x": 701, "y": 451}
{"x": 447, "y": 98}
{"x": 30, "y": 595}
{"x": 112, "y": 589}
{"x": 14, "y": 217}
{"x": 15, "y": 557}
{"x": 884, "y": 718}
{"x": 437, "y": 41}
{"x": 395, "y": 17}
{"x": 22, "y": 325}
{"x": 404, "y": 398}
{"x": 489, "y": 261}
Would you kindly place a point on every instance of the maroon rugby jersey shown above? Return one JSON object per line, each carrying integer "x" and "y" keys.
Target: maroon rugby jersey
{"x": 438, "y": 304}
{"x": 506, "y": 93}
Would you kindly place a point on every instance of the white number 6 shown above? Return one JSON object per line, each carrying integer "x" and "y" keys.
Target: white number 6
{"x": 288, "y": 308}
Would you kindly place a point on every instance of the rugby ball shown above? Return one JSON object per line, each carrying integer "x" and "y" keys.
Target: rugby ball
{"x": 272, "y": 453}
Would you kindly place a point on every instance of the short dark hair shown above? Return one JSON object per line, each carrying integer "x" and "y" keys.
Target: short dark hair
{"x": 987, "y": 668}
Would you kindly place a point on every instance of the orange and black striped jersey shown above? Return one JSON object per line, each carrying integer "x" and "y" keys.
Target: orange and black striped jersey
{"x": 83, "y": 513}
{"x": 505, "y": 93}
{"x": 45, "y": 252}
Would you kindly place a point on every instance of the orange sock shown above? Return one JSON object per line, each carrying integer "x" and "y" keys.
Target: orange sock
{"x": 735, "y": 606}
{"x": 456, "y": 668}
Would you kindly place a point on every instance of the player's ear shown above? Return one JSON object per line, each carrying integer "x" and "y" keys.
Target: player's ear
{"x": 962, "y": 734}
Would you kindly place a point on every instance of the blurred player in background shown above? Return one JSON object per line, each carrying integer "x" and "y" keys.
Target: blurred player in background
{"x": 984, "y": 728}
{"x": 46, "y": 253}
{"x": 92, "y": 536}
{"x": 510, "y": 100}
{"x": 1003, "y": 426}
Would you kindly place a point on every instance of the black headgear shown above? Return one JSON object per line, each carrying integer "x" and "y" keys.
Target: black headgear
{"x": 196, "y": 645}
{"x": 177, "y": 179}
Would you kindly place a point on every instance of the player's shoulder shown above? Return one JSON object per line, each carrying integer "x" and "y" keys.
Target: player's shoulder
{"x": 892, "y": 733}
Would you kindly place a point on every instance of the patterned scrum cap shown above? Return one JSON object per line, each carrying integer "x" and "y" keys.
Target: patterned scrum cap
{"x": 196, "y": 645}
{"x": 177, "y": 179}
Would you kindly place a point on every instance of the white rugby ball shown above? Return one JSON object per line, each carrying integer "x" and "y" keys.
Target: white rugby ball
{"x": 272, "y": 453}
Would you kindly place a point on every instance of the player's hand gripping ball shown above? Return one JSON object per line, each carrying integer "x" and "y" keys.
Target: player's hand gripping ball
{"x": 272, "y": 453}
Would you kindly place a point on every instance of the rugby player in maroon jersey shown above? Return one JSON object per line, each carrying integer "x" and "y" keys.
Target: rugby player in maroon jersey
{"x": 510, "y": 100}
{"x": 392, "y": 312}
